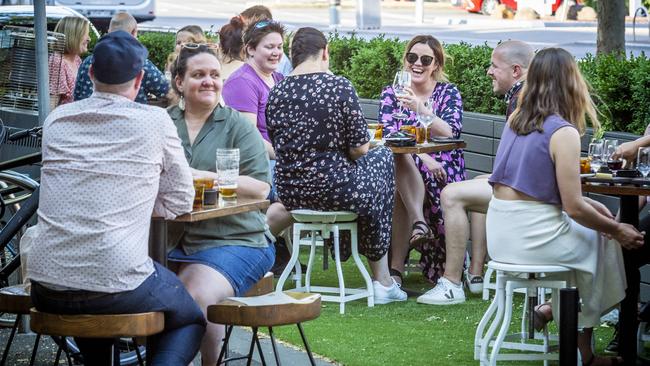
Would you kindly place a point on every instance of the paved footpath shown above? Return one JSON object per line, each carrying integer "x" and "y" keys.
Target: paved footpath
{"x": 23, "y": 343}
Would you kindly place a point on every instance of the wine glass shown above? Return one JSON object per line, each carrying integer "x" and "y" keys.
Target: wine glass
{"x": 400, "y": 83}
{"x": 426, "y": 115}
{"x": 613, "y": 164}
{"x": 643, "y": 161}
{"x": 596, "y": 155}
{"x": 607, "y": 143}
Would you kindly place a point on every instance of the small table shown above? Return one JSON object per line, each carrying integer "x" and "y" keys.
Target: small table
{"x": 158, "y": 233}
{"x": 426, "y": 148}
{"x": 629, "y": 191}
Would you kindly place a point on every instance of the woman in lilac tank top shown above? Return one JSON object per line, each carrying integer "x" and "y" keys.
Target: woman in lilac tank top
{"x": 538, "y": 215}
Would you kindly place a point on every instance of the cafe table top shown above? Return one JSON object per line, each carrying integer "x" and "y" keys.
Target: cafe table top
{"x": 223, "y": 208}
{"x": 426, "y": 148}
{"x": 617, "y": 186}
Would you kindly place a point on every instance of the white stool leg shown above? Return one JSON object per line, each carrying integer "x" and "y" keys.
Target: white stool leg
{"x": 478, "y": 337}
{"x": 507, "y": 316}
{"x": 310, "y": 263}
{"x": 499, "y": 297}
{"x": 292, "y": 261}
{"x": 487, "y": 285}
{"x": 362, "y": 268}
{"x": 524, "y": 323}
{"x": 339, "y": 269}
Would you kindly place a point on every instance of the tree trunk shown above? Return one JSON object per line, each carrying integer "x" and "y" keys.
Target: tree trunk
{"x": 611, "y": 26}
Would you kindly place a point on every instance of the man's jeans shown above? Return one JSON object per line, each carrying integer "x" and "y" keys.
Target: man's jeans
{"x": 162, "y": 291}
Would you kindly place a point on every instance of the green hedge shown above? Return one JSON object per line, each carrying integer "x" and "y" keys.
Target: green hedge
{"x": 621, "y": 88}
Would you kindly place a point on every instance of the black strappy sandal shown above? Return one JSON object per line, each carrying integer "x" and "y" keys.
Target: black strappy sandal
{"x": 395, "y": 273}
{"x": 422, "y": 235}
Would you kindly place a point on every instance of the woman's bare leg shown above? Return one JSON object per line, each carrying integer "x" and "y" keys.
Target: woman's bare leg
{"x": 410, "y": 186}
{"x": 399, "y": 247}
{"x": 207, "y": 287}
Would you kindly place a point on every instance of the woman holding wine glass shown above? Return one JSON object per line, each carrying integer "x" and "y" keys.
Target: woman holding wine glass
{"x": 420, "y": 178}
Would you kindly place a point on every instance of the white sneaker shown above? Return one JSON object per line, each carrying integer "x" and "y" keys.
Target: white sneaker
{"x": 445, "y": 293}
{"x": 384, "y": 295}
{"x": 474, "y": 283}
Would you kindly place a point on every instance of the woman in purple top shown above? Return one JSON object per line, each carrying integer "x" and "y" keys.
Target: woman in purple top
{"x": 420, "y": 178}
{"x": 247, "y": 90}
{"x": 537, "y": 214}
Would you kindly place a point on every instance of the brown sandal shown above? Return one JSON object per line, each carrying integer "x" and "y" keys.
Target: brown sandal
{"x": 540, "y": 318}
{"x": 422, "y": 234}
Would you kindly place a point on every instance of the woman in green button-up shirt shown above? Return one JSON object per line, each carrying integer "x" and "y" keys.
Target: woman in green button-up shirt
{"x": 225, "y": 256}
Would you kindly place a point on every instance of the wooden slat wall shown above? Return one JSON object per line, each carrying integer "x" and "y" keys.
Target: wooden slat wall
{"x": 482, "y": 133}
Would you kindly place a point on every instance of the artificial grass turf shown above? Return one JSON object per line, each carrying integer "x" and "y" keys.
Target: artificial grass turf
{"x": 403, "y": 333}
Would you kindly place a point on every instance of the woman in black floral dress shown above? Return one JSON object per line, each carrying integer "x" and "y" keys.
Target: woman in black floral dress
{"x": 322, "y": 160}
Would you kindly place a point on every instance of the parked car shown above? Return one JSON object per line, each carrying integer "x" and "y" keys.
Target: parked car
{"x": 487, "y": 6}
{"x": 23, "y": 15}
{"x": 100, "y": 12}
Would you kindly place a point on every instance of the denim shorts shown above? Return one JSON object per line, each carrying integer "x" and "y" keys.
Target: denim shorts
{"x": 241, "y": 266}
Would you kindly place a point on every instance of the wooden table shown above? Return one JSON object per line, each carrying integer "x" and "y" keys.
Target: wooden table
{"x": 158, "y": 232}
{"x": 426, "y": 148}
{"x": 629, "y": 192}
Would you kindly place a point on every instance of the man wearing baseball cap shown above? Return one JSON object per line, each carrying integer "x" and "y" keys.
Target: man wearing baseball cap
{"x": 109, "y": 163}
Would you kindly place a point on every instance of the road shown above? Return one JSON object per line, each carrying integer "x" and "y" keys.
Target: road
{"x": 447, "y": 23}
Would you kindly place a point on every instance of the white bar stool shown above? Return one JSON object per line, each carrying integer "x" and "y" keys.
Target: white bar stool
{"x": 509, "y": 278}
{"x": 326, "y": 223}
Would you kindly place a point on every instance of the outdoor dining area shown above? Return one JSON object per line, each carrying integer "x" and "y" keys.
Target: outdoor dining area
{"x": 455, "y": 237}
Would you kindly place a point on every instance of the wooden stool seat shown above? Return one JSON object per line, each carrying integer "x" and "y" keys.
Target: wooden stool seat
{"x": 15, "y": 300}
{"x": 236, "y": 313}
{"x": 97, "y": 326}
{"x": 232, "y": 313}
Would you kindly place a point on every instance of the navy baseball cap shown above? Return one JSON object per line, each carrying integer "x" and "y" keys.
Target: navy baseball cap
{"x": 118, "y": 57}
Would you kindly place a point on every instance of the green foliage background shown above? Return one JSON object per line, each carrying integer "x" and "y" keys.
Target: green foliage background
{"x": 621, "y": 86}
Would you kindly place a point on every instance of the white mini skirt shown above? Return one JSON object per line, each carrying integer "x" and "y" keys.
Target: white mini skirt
{"x": 530, "y": 232}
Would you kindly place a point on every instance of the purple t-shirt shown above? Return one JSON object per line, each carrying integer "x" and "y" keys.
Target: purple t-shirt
{"x": 246, "y": 92}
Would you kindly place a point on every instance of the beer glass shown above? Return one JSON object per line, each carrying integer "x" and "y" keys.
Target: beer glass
{"x": 227, "y": 171}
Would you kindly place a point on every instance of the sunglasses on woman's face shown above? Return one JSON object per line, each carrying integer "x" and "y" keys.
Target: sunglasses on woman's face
{"x": 412, "y": 58}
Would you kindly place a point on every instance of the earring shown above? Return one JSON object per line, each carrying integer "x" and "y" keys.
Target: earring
{"x": 181, "y": 103}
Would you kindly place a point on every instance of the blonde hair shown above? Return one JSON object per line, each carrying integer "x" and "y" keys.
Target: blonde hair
{"x": 438, "y": 53}
{"x": 554, "y": 85}
{"x": 74, "y": 29}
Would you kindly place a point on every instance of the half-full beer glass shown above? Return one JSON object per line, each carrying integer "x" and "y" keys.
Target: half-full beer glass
{"x": 228, "y": 171}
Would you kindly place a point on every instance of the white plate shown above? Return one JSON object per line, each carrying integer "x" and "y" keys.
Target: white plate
{"x": 587, "y": 175}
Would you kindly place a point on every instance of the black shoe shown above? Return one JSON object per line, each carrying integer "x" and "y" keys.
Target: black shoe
{"x": 282, "y": 257}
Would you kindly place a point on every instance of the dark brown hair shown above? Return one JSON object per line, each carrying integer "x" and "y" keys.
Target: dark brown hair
{"x": 179, "y": 67}
{"x": 438, "y": 53}
{"x": 554, "y": 85}
{"x": 230, "y": 40}
{"x": 306, "y": 43}
{"x": 253, "y": 35}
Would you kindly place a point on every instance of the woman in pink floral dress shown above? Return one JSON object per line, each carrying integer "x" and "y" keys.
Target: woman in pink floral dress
{"x": 63, "y": 67}
{"x": 420, "y": 178}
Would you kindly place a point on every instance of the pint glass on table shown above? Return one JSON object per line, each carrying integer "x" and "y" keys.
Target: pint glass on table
{"x": 228, "y": 171}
